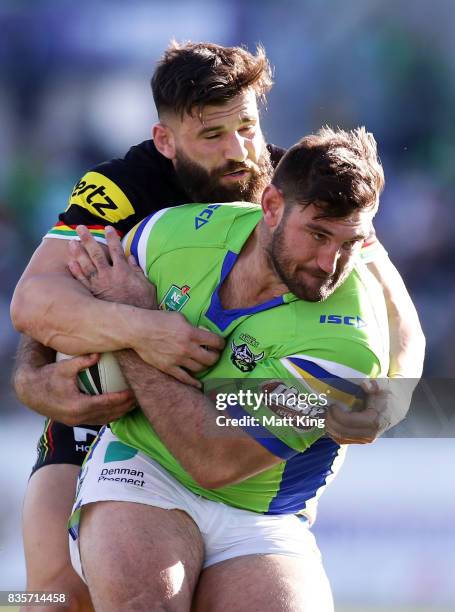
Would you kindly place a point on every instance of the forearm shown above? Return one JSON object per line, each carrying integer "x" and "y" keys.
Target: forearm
{"x": 407, "y": 342}
{"x": 50, "y": 388}
{"x": 185, "y": 420}
{"x": 60, "y": 313}
{"x": 31, "y": 353}
{"x": 30, "y": 356}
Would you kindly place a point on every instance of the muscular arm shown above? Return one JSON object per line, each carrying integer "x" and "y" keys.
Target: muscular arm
{"x": 59, "y": 311}
{"x": 388, "y": 399}
{"x": 184, "y": 419}
{"x": 30, "y": 356}
{"x": 50, "y": 389}
{"x": 55, "y": 309}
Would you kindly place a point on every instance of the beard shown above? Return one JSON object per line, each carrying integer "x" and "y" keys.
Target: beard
{"x": 305, "y": 282}
{"x": 205, "y": 186}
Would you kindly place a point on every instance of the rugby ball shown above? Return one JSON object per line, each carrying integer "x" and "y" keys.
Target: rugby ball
{"x": 103, "y": 377}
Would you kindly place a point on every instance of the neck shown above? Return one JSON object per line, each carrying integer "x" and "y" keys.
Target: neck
{"x": 253, "y": 280}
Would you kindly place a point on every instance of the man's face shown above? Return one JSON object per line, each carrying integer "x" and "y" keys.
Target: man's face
{"x": 221, "y": 156}
{"x": 311, "y": 255}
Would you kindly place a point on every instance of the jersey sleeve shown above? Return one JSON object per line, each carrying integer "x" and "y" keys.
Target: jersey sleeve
{"x": 138, "y": 240}
{"x": 96, "y": 201}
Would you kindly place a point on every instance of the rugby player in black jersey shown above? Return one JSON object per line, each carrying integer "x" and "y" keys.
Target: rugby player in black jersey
{"x": 207, "y": 146}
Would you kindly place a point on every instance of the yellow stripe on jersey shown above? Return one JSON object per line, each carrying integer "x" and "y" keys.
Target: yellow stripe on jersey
{"x": 127, "y": 241}
{"x": 323, "y": 380}
{"x": 101, "y": 197}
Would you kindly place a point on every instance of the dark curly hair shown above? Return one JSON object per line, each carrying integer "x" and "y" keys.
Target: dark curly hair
{"x": 192, "y": 75}
{"x": 335, "y": 170}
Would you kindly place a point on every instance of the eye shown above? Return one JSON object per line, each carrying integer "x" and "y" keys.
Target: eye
{"x": 212, "y": 136}
{"x": 247, "y": 130}
{"x": 317, "y": 236}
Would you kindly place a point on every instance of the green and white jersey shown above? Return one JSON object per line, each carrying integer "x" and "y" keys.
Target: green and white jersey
{"x": 285, "y": 345}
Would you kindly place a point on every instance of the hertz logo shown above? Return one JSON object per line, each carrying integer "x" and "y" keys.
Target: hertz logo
{"x": 92, "y": 192}
{"x": 102, "y": 197}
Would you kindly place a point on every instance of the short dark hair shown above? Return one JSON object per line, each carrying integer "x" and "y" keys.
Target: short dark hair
{"x": 338, "y": 171}
{"x": 189, "y": 76}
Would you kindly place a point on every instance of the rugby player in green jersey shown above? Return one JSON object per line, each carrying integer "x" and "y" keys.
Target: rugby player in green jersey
{"x": 185, "y": 511}
{"x": 218, "y": 146}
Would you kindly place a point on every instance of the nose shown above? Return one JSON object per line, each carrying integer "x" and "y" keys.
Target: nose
{"x": 235, "y": 148}
{"x": 327, "y": 259}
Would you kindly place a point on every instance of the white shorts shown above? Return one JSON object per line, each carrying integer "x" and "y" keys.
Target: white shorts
{"x": 227, "y": 532}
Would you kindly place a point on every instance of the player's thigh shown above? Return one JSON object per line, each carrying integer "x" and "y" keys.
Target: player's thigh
{"x": 47, "y": 507}
{"x": 136, "y": 556}
{"x": 276, "y": 583}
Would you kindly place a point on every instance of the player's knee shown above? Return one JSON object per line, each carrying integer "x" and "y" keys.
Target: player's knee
{"x": 161, "y": 594}
{"x": 160, "y": 605}
{"x": 145, "y": 601}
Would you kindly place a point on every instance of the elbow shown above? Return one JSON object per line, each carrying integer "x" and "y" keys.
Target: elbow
{"x": 210, "y": 481}
{"x": 28, "y": 316}
{"x": 18, "y": 311}
{"x": 210, "y": 476}
{"x": 422, "y": 340}
{"x": 421, "y": 343}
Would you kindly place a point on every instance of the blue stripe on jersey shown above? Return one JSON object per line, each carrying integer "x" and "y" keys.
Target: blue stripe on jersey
{"x": 303, "y": 475}
{"x": 262, "y": 435}
{"x": 137, "y": 236}
{"x": 335, "y": 381}
{"x": 223, "y": 318}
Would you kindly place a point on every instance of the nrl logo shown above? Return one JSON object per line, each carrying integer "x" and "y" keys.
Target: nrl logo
{"x": 175, "y": 298}
{"x": 243, "y": 358}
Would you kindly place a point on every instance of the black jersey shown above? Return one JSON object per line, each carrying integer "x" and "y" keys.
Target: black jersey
{"x": 121, "y": 192}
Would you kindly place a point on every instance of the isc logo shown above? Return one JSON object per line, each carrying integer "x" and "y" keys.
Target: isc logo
{"x": 343, "y": 320}
{"x": 205, "y": 215}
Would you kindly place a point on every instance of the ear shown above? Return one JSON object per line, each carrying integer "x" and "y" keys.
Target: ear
{"x": 164, "y": 140}
{"x": 272, "y": 203}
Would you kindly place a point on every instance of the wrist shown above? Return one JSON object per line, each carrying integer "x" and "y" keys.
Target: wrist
{"x": 139, "y": 320}
{"x": 23, "y": 381}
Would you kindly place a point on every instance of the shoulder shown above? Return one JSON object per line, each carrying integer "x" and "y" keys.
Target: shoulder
{"x": 145, "y": 176}
{"x": 200, "y": 226}
{"x": 197, "y": 224}
{"x": 350, "y": 327}
{"x": 121, "y": 191}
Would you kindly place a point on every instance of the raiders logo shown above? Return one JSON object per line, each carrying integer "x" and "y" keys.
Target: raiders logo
{"x": 243, "y": 358}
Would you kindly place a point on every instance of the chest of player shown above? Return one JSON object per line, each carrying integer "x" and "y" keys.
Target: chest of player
{"x": 189, "y": 281}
